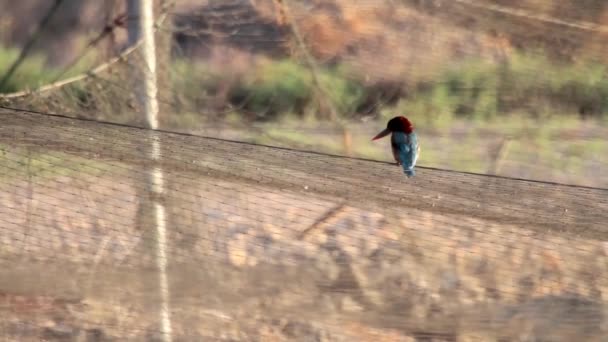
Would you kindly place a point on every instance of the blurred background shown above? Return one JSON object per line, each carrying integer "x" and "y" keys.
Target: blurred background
{"x": 516, "y": 88}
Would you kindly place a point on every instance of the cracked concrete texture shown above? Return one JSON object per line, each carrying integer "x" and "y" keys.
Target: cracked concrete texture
{"x": 255, "y": 255}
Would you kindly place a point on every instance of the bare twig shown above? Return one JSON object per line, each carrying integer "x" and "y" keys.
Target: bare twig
{"x": 26, "y": 49}
{"x": 119, "y": 21}
{"x": 500, "y": 156}
{"x": 314, "y": 70}
{"x": 91, "y": 73}
{"x": 581, "y": 25}
{"x": 98, "y": 69}
{"x": 309, "y": 60}
{"x": 330, "y": 216}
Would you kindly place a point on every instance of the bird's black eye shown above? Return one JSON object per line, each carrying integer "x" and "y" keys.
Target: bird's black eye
{"x": 393, "y": 124}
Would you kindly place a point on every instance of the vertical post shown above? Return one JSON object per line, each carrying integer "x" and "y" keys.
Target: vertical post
{"x": 134, "y": 24}
{"x": 347, "y": 139}
{"x": 499, "y": 157}
{"x": 155, "y": 180}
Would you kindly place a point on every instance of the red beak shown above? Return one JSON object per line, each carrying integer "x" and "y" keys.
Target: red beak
{"x": 382, "y": 134}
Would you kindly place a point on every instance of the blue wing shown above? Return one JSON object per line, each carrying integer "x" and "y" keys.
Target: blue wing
{"x": 407, "y": 148}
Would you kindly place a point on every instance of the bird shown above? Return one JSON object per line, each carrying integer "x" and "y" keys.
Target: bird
{"x": 404, "y": 143}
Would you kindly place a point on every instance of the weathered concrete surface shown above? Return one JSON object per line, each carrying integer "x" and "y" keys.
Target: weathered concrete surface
{"x": 275, "y": 245}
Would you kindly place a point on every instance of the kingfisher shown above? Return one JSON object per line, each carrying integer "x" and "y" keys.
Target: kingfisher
{"x": 404, "y": 143}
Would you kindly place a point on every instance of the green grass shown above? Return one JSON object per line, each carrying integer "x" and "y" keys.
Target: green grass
{"x": 33, "y": 71}
{"x": 288, "y": 87}
{"x": 270, "y": 90}
{"x": 528, "y": 88}
{"x": 529, "y": 85}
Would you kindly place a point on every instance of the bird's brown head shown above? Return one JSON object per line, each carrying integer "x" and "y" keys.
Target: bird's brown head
{"x": 396, "y": 124}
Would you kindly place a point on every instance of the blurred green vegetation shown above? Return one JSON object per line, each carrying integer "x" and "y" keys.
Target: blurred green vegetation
{"x": 468, "y": 106}
{"x": 32, "y": 73}
{"x": 525, "y": 85}
{"x": 528, "y": 85}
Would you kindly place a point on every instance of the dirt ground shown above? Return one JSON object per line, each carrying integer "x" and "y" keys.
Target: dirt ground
{"x": 270, "y": 244}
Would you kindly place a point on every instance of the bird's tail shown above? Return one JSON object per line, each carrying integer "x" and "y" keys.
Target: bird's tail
{"x": 409, "y": 172}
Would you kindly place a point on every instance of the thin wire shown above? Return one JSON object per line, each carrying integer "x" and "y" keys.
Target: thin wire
{"x": 581, "y": 25}
{"x": 184, "y": 134}
{"x": 106, "y": 31}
